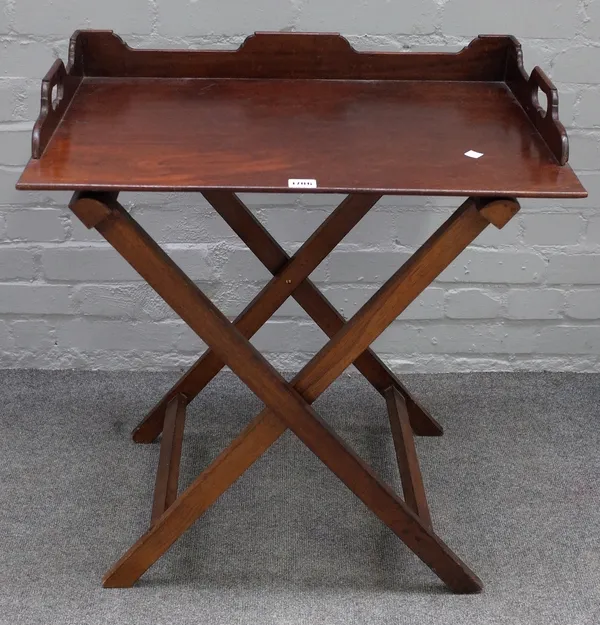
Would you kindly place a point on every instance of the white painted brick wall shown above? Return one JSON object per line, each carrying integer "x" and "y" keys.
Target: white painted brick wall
{"x": 472, "y": 304}
{"x": 35, "y": 225}
{"x": 583, "y": 304}
{"x": 526, "y": 297}
{"x": 541, "y": 303}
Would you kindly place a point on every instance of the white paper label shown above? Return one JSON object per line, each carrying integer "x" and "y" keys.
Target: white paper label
{"x": 302, "y": 183}
{"x": 473, "y": 154}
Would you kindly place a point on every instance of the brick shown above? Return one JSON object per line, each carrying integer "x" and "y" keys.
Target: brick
{"x": 232, "y": 297}
{"x": 578, "y": 64}
{"x": 9, "y": 196}
{"x": 348, "y": 298}
{"x": 17, "y": 264}
{"x": 584, "y": 150}
{"x": 443, "y": 201}
{"x": 568, "y": 95}
{"x": 543, "y": 19}
{"x": 167, "y": 224}
{"x": 536, "y": 52}
{"x": 592, "y": 25}
{"x": 495, "y": 267}
{"x": 494, "y": 237}
{"x": 80, "y": 233}
{"x": 538, "y": 205}
{"x": 552, "y": 229}
{"x": 290, "y": 308}
{"x": 28, "y": 100}
{"x": 141, "y": 199}
{"x": 124, "y": 17}
{"x": 125, "y": 301}
{"x": 241, "y": 265}
{"x": 276, "y": 337}
{"x": 196, "y": 18}
{"x": 286, "y": 336}
{"x": 4, "y": 20}
{"x": 583, "y": 304}
{"x": 15, "y": 147}
{"x": 472, "y": 304}
{"x": 592, "y": 234}
{"x": 195, "y": 262}
{"x": 8, "y": 99}
{"x": 414, "y": 228}
{"x": 103, "y": 264}
{"x": 574, "y": 269}
{"x": 414, "y": 203}
{"x": 35, "y": 225}
{"x": 588, "y": 109}
{"x": 34, "y": 299}
{"x": 95, "y": 334}
{"x": 107, "y": 301}
{"x": 429, "y": 305}
{"x": 21, "y": 59}
{"x": 444, "y": 338}
{"x": 187, "y": 341}
{"x": 534, "y": 304}
{"x": 376, "y": 229}
{"x": 378, "y": 16}
{"x": 568, "y": 340}
{"x": 20, "y": 101}
{"x": 293, "y": 225}
{"x": 87, "y": 264}
{"x": 184, "y": 224}
{"x": 154, "y": 307}
{"x": 364, "y": 266}
{"x": 33, "y": 334}
{"x": 258, "y": 201}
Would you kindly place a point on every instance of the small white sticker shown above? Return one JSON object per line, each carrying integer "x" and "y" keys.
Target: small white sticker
{"x": 473, "y": 154}
{"x": 302, "y": 183}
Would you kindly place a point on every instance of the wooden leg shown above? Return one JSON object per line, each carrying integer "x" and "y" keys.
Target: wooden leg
{"x": 248, "y": 447}
{"x": 252, "y": 443}
{"x": 406, "y": 454}
{"x": 290, "y": 404}
{"x": 289, "y": 273}
{"x": 167, "y": 474}
{"x": 272, "y": 255}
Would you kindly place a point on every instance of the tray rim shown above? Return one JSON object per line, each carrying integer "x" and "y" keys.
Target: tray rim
{"x": 264, "y": 55}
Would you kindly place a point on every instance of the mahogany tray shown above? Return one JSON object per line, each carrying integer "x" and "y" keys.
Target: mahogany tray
{"x": 299, "y": 106}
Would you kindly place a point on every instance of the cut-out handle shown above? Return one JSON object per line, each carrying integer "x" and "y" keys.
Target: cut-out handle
{"x": 53, "y": 85}
{"x": 57, "y": 90}
{"x": 56, "y": 95}
{"x": 526, "y": 90}
{"x": 538, "y": 81}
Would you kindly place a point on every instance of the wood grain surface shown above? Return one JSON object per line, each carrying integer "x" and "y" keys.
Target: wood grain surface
{"x": 303, "y": 106}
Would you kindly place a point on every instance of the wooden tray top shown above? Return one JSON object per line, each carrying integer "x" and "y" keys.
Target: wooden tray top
{"x": 299, "y": 106}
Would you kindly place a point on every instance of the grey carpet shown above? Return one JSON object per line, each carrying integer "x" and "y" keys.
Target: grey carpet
{"x": 513, "y": 486}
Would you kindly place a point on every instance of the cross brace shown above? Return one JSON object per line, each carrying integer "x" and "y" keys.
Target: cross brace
{"x": 291, "y": 278}
{"x": 288, "y": 403}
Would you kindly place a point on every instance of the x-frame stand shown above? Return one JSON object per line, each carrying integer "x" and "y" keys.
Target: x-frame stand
{"x": 288, "y": 405}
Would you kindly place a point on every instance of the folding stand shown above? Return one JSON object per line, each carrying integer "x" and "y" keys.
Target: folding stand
{"x": 130, "y": 142}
